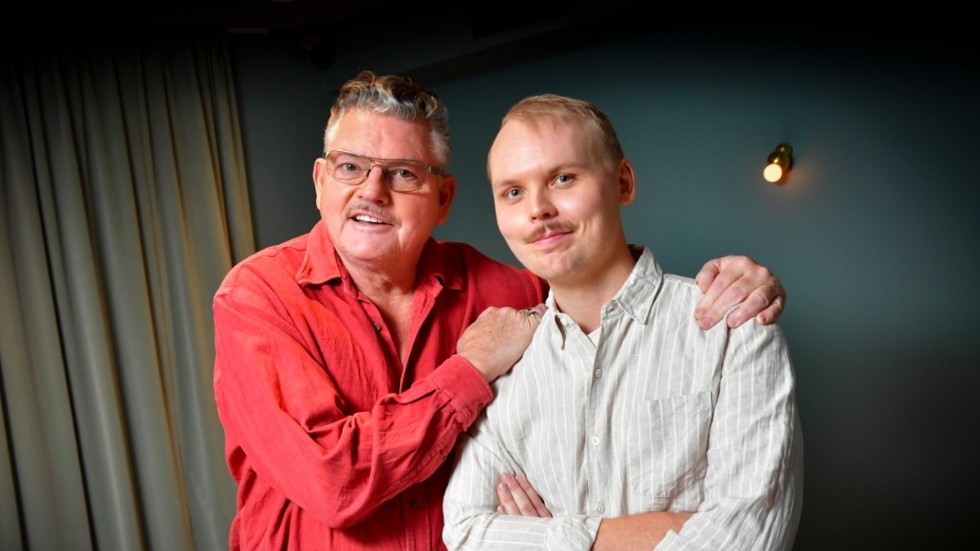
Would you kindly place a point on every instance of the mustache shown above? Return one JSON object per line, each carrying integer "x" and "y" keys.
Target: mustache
{"x": 547, "y": 228}
{"x": 370, "y": 209}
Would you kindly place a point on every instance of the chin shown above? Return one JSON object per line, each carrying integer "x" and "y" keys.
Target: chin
{"x": 363, "y": 252}
{"x": 549, "y": 273}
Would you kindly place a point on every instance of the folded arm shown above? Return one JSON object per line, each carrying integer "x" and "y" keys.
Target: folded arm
{"x": 640, "y": 531}
{"x": 339, "y": 455}
{"x": 473, "y": 521}
{"x": 753, "y": 481}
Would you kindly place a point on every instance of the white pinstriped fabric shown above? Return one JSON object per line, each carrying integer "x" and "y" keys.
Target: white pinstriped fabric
{"x": 657, "y": 415}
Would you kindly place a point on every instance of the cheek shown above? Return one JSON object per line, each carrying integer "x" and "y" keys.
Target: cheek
{"x": 506, "y": 219}
{"x": 331, "y": 197}
{"x": 322, "y": 194}
{"x": 581, "y": 209}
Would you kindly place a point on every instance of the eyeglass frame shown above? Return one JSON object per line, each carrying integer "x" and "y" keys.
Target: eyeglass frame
{"x": 386, "y": 176}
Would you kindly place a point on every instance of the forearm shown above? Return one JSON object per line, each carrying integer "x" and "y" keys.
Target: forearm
{"x": 473, "y": 521}
{"x": 491, "y": 531}
{"x": 639, "y": 531}
{"x": 280, "y": 408}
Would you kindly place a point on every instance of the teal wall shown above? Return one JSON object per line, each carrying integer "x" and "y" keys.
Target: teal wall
{"x": 874, "y": 236}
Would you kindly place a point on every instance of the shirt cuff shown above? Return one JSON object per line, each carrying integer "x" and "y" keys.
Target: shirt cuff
{"x": 468, "y": 390}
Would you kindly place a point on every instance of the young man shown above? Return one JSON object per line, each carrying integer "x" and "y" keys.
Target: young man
{"x": 636, "y": 428}
{"x": 343, "y": 375}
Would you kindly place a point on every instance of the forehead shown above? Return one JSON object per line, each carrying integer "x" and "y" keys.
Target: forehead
{"x": 544, "y": 139}
{"x": 381, "y": 136}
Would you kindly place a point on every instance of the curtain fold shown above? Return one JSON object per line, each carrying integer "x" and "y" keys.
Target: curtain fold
{"x": 124, "y": 203}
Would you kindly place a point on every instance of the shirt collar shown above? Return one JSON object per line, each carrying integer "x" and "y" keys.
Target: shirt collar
{"x": 322, "y": 264}
{"x": 635, "y": 298}
{"x": 637, "y": 295}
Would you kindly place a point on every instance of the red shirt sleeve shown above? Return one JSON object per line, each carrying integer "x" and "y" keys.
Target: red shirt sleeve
{"x": 283, "y": 410}
{"x": 331, "y": 440}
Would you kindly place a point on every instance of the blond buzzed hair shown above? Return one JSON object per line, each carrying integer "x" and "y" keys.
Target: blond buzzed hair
{"x": 553, "y": 106}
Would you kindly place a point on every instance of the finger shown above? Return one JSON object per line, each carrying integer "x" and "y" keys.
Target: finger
{"x": 707, "y": 274}
{"x": 534, "y": 314}
{"x": 530, "y": 315}
{"x": 756, "y": 302}
{"x": 520, "y": 498}
{"x": 507, "y": 505}
{"x": 764, "y": 304}
{"x": 772, "y": 312}
{"x": 490, "y": 312}
{"x": 739, "y": 278}
{"x": 539, "y": 507}
{"x": 720, "y": 297}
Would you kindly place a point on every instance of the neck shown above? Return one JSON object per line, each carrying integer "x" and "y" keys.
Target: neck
{"x": 394, "y": 298}
{"x": 377, "y": 284}
{"x": 388, "y": 274}
{"x": 583, "y": 300}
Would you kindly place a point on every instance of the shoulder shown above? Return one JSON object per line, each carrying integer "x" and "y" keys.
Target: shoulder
{"x": 680, "y": 292}
{"x": 279, "y": 262}
{"x": 683, "y": 293}
{"x": 491, "y": 276}
{"x": 470, "y": 255}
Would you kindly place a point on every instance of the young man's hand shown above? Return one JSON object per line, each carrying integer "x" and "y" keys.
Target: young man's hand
{"x": 517, "y": 497}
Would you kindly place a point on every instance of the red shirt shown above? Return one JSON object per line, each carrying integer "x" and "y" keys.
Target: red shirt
{"x": 334, "y": 444}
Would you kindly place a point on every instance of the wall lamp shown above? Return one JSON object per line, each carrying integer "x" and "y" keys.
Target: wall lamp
{"x": 778, "y": 164}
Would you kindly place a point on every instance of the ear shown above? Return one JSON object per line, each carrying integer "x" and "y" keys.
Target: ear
{"x": 627, "y": 182}
{"x": 447, "y": 191}
{"x": 319, "y": 177}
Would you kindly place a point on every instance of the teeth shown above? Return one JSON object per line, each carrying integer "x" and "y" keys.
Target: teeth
{"x": 366, "y": 218}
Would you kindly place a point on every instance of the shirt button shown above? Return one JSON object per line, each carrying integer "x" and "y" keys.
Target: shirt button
{"x": 377, "y": 327}
{"x": 600, "y": 509}
{"x": 413, "y": 503}
{"x": 595, "y": 440}
{"x": 598, "y": 373}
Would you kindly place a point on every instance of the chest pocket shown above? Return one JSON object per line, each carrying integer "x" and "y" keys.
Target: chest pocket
{"x": 666, "y": 459}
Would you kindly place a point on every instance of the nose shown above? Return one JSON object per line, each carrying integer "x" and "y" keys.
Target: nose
{"x": 375, "y": 186}
{"x": 540, "y": 206}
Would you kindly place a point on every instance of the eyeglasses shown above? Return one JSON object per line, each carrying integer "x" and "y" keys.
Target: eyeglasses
{"x": 400, "y": 174}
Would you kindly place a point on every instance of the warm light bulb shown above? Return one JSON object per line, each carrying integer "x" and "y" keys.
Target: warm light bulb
{"x": 773, "y": 172}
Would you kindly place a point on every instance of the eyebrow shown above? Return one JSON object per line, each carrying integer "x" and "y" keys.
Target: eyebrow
{"x": 562, "y": 168}
{"x": 379, "y": 158}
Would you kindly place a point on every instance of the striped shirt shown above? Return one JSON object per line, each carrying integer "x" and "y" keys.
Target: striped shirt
{"x": 655, "y": 415}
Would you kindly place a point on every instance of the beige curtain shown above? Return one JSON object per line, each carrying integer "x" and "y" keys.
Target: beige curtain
{"x": 123, "y": 202}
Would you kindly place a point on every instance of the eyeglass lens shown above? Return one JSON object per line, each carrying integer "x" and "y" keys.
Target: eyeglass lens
{"x": 400, "y": 174}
